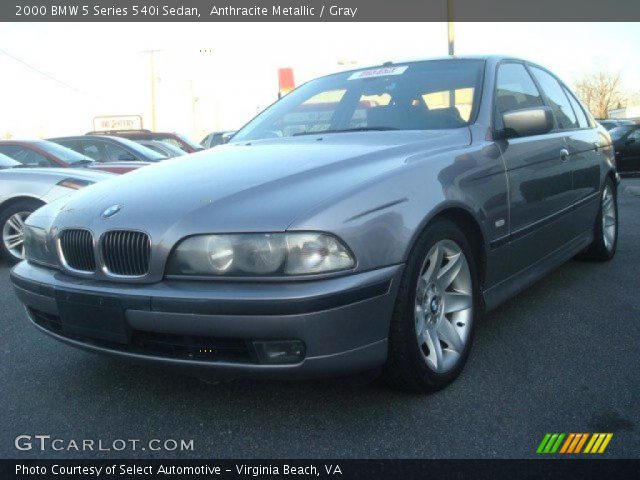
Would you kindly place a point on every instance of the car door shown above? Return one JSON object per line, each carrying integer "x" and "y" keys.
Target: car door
{"x": 538, "y": 172}
{"x": 585, "y": 156}
{"x": 629, "y": 152}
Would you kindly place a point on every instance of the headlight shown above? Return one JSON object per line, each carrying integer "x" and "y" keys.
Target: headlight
{"x": 36, "y": 249}
{"x": 260, "y": 254}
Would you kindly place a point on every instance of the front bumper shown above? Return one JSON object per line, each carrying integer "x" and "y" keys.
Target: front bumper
{"x": 343, "y": 321}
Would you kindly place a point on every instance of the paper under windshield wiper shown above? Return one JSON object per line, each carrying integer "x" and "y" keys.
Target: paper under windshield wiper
{"x": 344, "y": 130}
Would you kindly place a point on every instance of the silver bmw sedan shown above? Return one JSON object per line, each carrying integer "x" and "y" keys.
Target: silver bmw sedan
{"x": 362, "y": 222}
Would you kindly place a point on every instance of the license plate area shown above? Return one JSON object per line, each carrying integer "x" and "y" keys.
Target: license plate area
{"x": 94, "y": 316}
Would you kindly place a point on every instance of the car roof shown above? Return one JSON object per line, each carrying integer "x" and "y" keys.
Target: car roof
{"x": 79, "y": 137}
{"x": 128, "y": 132}
{"x": 495, "y": 58}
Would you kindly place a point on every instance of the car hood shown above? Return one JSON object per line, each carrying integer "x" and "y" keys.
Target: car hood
{"x": 250, "y": 187}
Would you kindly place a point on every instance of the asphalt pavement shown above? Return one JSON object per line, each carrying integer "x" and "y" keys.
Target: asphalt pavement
{"x": 562, "y": 356}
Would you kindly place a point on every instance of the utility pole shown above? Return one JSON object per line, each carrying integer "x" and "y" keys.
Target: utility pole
{"x": 450, "y": 32}
{"x": 194, "y": 116}
{"x": 451, "y": 39}
{"x": 152, "y": 78}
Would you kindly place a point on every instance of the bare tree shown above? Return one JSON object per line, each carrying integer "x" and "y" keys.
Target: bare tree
{"x": 600, "y": 92}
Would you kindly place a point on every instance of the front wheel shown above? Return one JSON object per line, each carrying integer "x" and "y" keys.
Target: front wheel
{"x": 12, "y": 221}
{"x": 433, "y": 322}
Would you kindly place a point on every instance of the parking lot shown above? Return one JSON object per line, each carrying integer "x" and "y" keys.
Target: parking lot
{"x": 561, "y": 357}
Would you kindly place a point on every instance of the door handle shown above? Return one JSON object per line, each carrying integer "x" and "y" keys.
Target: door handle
{"x": 564, "y": 154}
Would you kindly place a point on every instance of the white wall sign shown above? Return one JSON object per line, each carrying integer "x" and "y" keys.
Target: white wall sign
{"x": 117, "y": 122}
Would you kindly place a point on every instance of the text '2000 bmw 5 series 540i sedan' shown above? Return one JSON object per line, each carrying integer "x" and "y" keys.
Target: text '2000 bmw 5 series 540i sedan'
{"x": 363, "y": 221}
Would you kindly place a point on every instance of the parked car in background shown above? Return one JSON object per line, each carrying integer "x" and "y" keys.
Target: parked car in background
{"x": 217, "y": 138}
{"x": 24, "y": 190}
{"x": 107, "y": 150}
{"x": 169, "y": 150}
{"x": 368, "y": 233}
{"x": 43, "y": 153}
{"x": 610, "y": 123}
{"x": 626, "y": 140}
{"x": 181, "y": 141}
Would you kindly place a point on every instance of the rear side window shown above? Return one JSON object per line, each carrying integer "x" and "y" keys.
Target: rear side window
{"x": 515, "y": 90}
{"x": 559, "y": 103}
{"x": 583, "y": 122}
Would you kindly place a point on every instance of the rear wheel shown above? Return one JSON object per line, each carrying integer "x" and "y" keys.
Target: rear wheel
{"x": 433, "y": 322}
{"x": 12, "y": 221}
{"x": 605, "y": 229}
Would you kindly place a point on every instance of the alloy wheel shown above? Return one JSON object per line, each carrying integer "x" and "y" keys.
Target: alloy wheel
{"x": 608, "y": 218}
{"x": 443, "y": 306}
{"x": 13, "y": 234}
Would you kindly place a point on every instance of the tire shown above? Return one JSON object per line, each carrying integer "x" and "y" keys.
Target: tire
{"x": 9, "y": 228}
{"x": 605, "y": 229}
{"x": 412, "y": 363}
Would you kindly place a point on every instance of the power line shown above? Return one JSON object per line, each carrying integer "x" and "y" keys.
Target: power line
{"x": 50, "y": 77}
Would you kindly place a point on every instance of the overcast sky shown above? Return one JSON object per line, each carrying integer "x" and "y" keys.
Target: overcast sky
{"x": 213, "y": 76}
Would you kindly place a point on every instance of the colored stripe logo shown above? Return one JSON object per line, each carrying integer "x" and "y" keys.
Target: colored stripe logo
{"x": 574, "y": 443}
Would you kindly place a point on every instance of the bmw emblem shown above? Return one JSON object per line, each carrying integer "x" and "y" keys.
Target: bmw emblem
{"x": 111, "y": 211}
{"x": 434, "y": 306}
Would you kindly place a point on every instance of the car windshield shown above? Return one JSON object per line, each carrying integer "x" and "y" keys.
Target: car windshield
{"x": 189, "y": 141}
{"x": 172, "y": 141}
{"x": 619, "y": 132}
{"x": 63, "y": 153}
{"x": 435, "y": 94}
{"x": 168, "y": 149}
{"x": 147, "y": 153}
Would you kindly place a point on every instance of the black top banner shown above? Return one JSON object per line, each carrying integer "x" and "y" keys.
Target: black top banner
{"x": 318, "y": 10}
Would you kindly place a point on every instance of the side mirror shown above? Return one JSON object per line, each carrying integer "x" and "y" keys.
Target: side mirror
{"x": 226, "y": 137}
{"x": 126, "y": 157}
{"x": 527, "y": 122}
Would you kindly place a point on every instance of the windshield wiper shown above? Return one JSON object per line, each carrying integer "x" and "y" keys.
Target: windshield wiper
{"x": 344, "y": 130}
{"x": 83, "y": 162}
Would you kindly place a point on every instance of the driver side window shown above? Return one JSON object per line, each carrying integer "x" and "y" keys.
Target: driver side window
{"x": 635, "y": 135}
{"x": 515, "y": 90}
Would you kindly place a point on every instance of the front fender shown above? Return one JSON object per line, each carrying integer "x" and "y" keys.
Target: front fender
{"x": 381, "y": 219}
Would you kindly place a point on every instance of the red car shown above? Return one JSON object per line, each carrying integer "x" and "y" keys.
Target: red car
{"x": 42, "y": 153}
{"x": 177, "y": 139}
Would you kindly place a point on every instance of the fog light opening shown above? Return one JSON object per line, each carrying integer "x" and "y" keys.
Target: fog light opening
{"x": 280, "y": 351}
